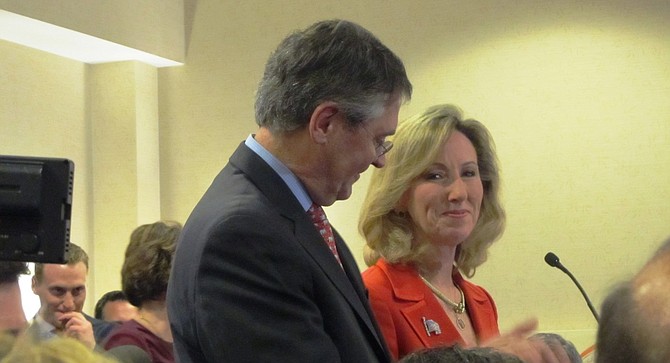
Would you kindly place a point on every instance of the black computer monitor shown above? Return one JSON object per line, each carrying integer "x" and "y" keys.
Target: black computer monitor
{"x": 35, "y": 208}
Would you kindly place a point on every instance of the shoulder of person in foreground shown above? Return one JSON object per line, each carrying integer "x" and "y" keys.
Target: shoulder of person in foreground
{"x": 126, "y": 334}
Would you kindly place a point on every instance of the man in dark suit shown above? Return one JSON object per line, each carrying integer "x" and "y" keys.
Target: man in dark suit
{"x": 253, "y": 279}
{"x": 62, "y": 293}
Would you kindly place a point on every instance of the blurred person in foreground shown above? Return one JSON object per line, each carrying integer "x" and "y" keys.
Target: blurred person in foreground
{"x": 557, "y": 343}
{"x": 259, "y": 273}
{"x": 144, "y": 277}
{"x": 12, "y": 317}
{"x": 62, "y": 293}
{"x": 114, "y": 306}
{"x": 458, "y": 354}
{"x": 428, "y": 219}
{"x": 59, "y": 350}
{"x": 635, "y": 316}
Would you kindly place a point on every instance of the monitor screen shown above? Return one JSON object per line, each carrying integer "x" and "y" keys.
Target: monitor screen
{"x": 35, "y": 208}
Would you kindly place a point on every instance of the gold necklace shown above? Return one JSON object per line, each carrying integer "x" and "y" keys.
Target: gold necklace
{"x": 459, "y": 308}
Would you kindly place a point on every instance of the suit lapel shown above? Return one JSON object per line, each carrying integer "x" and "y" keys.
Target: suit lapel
{"x": 346, "y": 278}
{"x": 347, "y": 282}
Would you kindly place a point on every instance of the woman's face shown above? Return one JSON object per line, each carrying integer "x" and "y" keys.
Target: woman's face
{"x": 444, "y": 202}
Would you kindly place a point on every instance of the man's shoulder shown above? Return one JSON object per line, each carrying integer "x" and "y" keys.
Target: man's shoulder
{"x": 34, "y": 330}
{"x": 101, "y": 328}
{"x": 39, "y": 329}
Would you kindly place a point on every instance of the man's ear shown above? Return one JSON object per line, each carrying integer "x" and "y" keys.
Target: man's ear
{"x": 33, "y": 285}
{"x": 321, "y": 122}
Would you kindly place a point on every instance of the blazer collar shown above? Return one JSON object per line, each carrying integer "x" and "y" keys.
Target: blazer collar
{"x": 407, "y": 284}
{"x": 422, "y": 304}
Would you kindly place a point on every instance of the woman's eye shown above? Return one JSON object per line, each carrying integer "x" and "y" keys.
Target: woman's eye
{"x": 470, "y": 173}
{"x": 434, "y": 176}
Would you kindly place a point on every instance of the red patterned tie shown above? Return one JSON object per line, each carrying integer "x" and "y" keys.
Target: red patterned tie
{"x": 321, "y": 223}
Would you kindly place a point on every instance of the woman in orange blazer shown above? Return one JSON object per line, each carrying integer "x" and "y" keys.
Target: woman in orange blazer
{"x": 429, "y": 218}
{"x": 410, "y": 316}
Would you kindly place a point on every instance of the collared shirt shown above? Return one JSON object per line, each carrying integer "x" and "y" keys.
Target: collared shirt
{"x": 284, "y": 172}
{"x": 43, "y": 329}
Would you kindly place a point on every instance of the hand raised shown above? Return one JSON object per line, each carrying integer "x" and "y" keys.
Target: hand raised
{"x": 76, "y": 326}
{"x": 517, "y": 342}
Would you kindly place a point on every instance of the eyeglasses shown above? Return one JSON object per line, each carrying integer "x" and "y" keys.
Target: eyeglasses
{"x": 381, "y": 146}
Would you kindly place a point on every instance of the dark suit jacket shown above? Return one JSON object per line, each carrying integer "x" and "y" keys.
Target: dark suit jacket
{"x": 101, "y": 328}
{"x": 253, "y": 280}
{"x": 401, "y": 301}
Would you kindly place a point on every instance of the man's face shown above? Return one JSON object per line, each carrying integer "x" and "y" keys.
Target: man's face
{"x": 118, "y": 310}
{"x": 62, "y": 290}
{"x": 353, "y": 151}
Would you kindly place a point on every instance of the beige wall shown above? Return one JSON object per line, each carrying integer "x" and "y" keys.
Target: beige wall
{"x": 575, "y": 94}
{"x": 105, "y": 119}
{"x": 152, "y": 26}
{"x": 43, "y": 113}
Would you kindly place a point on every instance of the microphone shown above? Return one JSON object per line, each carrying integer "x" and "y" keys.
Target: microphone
{"x": 552, "y": 260}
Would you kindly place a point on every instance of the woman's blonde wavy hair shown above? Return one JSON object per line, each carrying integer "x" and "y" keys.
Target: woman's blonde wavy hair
{"x": 57, "y": 350}
{"x": 417, "y": 142}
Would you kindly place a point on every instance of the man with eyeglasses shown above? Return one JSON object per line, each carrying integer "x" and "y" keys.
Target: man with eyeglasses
{"x": 259, "y": 274}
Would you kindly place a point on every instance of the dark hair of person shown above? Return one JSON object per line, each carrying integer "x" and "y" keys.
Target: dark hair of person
{"x": 10, "y": 271}
{"x": 458, "y": 354}
{"x": 556, "y": 341}
{"x": 332, "y": 60}
{"x": 75, "y": 255}
{"x": 110, "y": 296}
{"x": 146, "y": 269}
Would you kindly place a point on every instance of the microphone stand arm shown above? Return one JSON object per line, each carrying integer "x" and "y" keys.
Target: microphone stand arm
{"x": 579, "y": 286}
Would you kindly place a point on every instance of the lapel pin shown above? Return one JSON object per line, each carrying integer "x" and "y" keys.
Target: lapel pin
{"x": 431, "y": 326}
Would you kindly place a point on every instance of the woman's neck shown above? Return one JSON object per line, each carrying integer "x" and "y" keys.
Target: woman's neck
{"x": 440, "y": 272}
{"x": 153, "y": 316}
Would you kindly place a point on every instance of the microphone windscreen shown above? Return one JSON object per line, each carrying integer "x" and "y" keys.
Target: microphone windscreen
{"x": 552, "y": 260}
{"x": 129, "y": 354}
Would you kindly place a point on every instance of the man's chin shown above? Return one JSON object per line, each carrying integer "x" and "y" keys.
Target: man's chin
{"x": 344, "y": 193}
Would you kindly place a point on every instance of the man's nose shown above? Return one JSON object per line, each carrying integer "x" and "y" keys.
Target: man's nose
{"x": 68, "y": 302}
